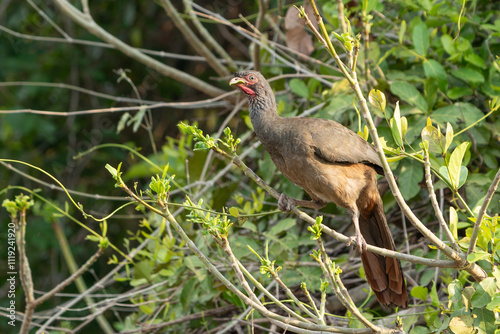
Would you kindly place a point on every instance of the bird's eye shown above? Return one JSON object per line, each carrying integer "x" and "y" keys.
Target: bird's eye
{"x": 251, "y": 77}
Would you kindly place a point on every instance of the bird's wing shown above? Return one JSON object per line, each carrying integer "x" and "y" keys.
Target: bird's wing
{"x": 335, "y": 143}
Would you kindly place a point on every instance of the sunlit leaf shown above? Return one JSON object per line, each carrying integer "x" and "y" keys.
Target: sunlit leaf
{"x": 420, "y": 292}
{"x": 402, "y": 31}
{"x": 454, "y": 222}
{"x": 377, "y": 99}
{"x": 435, "y": 139}
{"x": 455, "y": 163}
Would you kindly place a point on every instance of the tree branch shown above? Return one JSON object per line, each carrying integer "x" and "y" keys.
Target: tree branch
{"x": 193, "y": 40}
{"x": 475, "y": 233}
{"x": 86, "y": 22}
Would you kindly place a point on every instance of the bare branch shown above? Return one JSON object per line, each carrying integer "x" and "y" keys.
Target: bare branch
{"x": 83, "y": 20}
{"x": 475, "y": 233}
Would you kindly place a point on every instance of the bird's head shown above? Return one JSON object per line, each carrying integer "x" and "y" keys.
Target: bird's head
{"x": 252, "y": 83}
{"x": 248, "y": 82}
{"x": 255, "y": 87}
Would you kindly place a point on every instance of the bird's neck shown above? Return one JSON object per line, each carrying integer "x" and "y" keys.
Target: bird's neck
{"x": 264, "y": 117}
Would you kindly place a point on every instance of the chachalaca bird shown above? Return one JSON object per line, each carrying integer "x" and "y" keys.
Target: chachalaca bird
{"x": 332, "y": 164}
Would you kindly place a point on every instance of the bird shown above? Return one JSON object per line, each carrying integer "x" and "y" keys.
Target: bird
{"x": 332, "y": 164}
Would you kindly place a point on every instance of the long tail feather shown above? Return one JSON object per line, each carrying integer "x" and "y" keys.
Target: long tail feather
{"x": 384, "y": 274}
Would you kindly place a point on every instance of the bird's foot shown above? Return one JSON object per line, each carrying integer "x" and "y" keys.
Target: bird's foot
{"x": 360, "y": 242}
{"x": 285, "y": 203}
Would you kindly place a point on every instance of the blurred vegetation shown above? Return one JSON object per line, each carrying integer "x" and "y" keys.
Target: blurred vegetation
{"x": 439, "y": 59}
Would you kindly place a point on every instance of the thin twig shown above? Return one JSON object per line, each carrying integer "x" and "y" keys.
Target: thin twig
{"x": 284, "y": 322}
{"x": 208, "y": 103}
{"x": 70, "y": 279}
{"x": 70, "y": 40}
{"x": 193, "y": 40}
{"x": 208, "y": 37}
{"x": 341, "y": 16}
{"x": 340, "y": 291}
{"x": 258, "y": 26}
{"x": 25, "y": 274}
{"x": 475, "y": 233}
{"x": 437, "y": 211}
{"x": 83, "y": 20}
{"x": 275, "y": 300}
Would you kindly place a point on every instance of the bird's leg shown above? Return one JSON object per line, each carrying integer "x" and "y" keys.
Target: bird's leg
{"x": 285, "y": 203}
{"x": 360, "y": 240}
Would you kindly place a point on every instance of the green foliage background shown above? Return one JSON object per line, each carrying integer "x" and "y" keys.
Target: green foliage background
{"x": 439, "y": 59}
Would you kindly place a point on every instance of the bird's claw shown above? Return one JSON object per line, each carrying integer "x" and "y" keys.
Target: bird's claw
{"x": 360, "y": 242}
{"x": 285, "y": 203}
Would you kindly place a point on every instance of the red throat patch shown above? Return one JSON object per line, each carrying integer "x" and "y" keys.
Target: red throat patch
{"x": 247, "y": 90}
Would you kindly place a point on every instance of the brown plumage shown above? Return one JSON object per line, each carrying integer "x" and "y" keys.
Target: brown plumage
{"x": 332, "y": 164}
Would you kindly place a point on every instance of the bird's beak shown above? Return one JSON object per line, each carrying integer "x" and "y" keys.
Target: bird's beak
{"x": 237, "y": 81}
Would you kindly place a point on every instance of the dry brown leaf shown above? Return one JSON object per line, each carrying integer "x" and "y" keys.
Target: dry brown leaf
{"x": 297, "y": 37}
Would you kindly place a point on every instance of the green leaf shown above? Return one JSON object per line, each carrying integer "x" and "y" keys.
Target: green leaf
{"x": 404, "y": 126}
{"x": 434, "y": 137}
{"x": 448, "y": 44}
{"x": 410, "y": 176}
{"x": 449, "y": 136}
{"x": 123, "y": 122}
{"x": 145, "y": 308}
{"x": 299, "y": 87}
{"x": 443, "y": 171}
{"x": 467, "y": 294}
{"x": 196, "y": 266}
{"x": 454, "y": 222}
{"x": 455, "y": 291}
{"x": 494, "y": 304}
{"x": 92, "y": 238}
{"x": 250, "y": 225}
{"x": 478, "y": 255}
{"x": 138, "y": 282}
{"x": 188, "y": 292}
{"x": 377, "y": 99}
{"x": 402, "y": 32}
{"x": 433, "y": 69}
{"x": 112, "y": 170}
{"x": 143, "y": 269}
{"x": 480, "y": 298}
{"x": 137, "y": 119}
{"x": 370, "y": 5}
{"x": 364, "y": 134}
{"x": 431, "y": 89}
{"x": 462, "y": 324}
{"x": 458, "y": 92}
{"x": 484, "y": 321}
{"x": 199, "y": 145}
{"x": 395, "y": 124}
{"x": 463, "y": 176}
{"x": 457, "y": 112}
{"x": 434, "y": 295}
{"x": 420, "y": 292}
{"x": 489, "y": 285}
{"x": 233, "y": 211}
{"x": 410, "y": 94}
{"x": 475, "y": 60}
{"x": 283, "y": 225}
{"x": 455, "y": 163}
{"x": 463, "y": 44}
{"x": 421, "y": 38}
{"x": 420, "y": 330}
{"x": 468, "y": 75}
